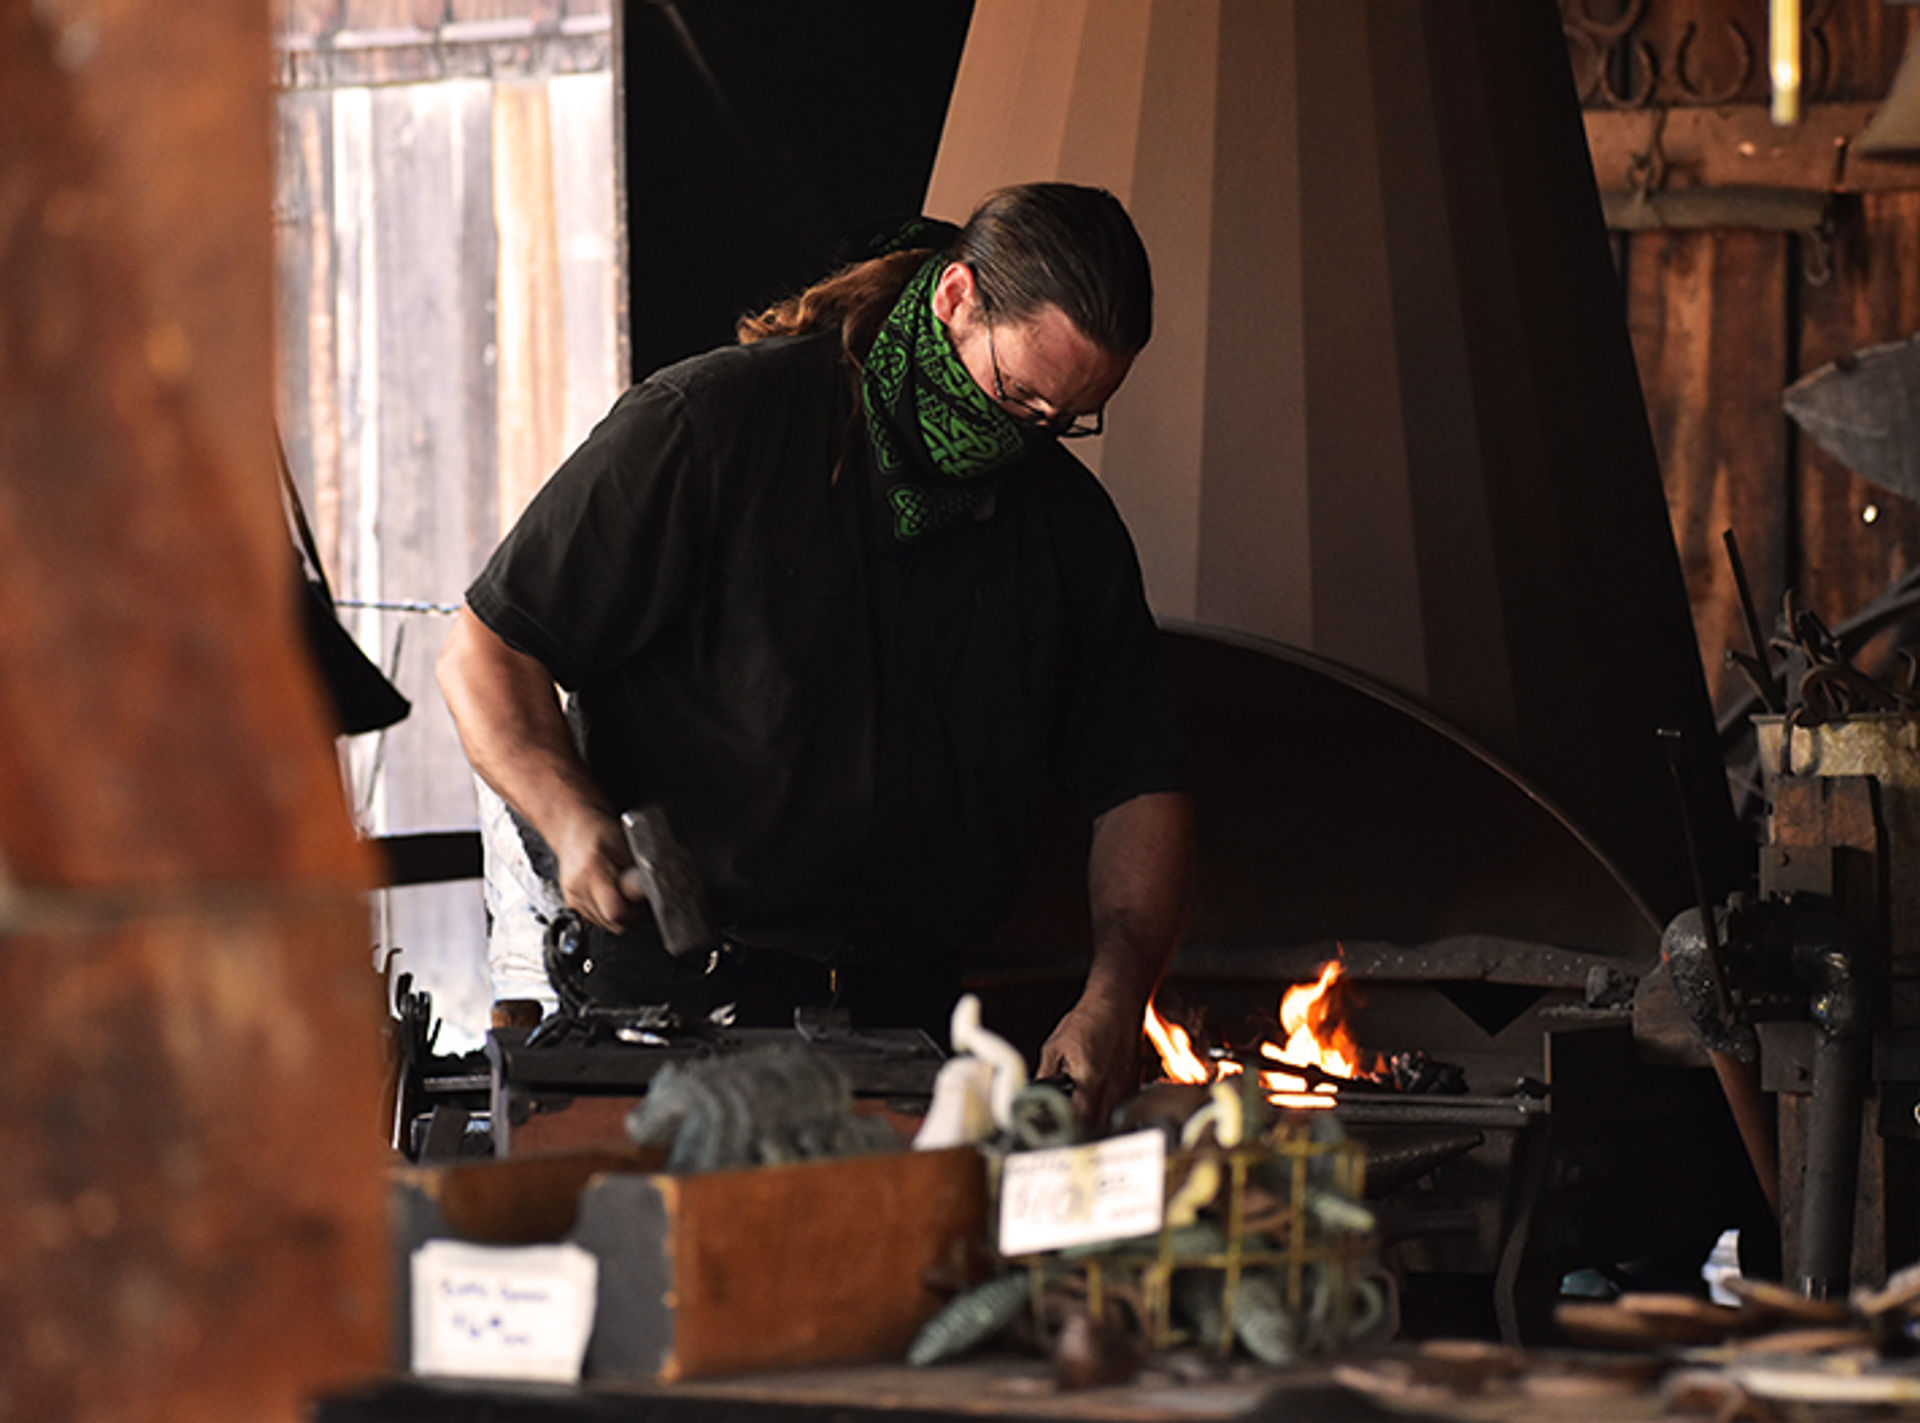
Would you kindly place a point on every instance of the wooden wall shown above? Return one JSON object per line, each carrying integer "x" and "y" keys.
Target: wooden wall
{"x": 1725, "y": 316}
{"x": 450, "y": 326}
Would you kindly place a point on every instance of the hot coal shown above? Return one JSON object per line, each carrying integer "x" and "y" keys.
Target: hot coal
{"x": 1419, "y": 1072}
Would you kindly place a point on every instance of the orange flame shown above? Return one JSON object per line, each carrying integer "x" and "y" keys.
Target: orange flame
{"x": 1177, "y": 1057}
{"x": 1315, "y": 1038}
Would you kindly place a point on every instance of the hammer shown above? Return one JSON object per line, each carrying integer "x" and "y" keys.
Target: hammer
{"x": 665, "y": 874}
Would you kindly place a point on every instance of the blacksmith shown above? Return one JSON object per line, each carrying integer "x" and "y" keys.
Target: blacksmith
{"x": 840, "y": 599}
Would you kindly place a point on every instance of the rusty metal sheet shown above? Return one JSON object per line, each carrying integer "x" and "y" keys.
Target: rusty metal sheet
{"x": 190, "y": 1193}
{"x": 1864, "y": 410}
{"x": 191, "y": 1207}
{"x": 159, "y": 716}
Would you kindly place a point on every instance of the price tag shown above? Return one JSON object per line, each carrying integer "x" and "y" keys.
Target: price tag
{"x": 1082, "y": 1195}
{"x": 500, "y": 1312}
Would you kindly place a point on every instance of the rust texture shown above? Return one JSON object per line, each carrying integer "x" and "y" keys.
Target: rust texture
{"x": 191, "y": 1222}
{"x": 190, "y": 1192}
{"x": 160, "y": 721}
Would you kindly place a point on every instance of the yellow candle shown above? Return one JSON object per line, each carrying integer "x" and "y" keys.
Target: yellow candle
{"x": 1783, "y": 54}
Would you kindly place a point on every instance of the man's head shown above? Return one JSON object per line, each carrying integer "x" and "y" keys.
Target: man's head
{"x": 1048, "y": 296}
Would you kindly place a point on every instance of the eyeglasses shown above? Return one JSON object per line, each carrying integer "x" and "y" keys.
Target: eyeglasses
{"x": 1060, "y": 425}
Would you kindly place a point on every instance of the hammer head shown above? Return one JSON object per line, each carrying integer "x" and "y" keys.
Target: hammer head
{"x": 672, "y": 883}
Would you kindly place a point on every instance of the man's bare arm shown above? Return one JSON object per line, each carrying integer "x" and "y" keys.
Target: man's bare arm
{"x": 510, "y": 723}
{"x": 1139, "y": 877}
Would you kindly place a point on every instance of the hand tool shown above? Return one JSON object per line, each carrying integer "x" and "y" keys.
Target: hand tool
{"x": 671, "y": 882}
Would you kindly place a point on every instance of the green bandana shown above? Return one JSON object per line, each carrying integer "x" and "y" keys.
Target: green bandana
{"x": 936, "y": 434}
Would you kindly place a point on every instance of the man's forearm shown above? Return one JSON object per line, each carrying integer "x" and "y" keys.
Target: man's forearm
{"x": 511, "y": 726}
{"x": 1139, "y": 878}
{"x": 1139, "y": 870}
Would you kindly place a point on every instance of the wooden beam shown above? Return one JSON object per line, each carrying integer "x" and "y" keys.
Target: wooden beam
{"x": 1738, "y": 146}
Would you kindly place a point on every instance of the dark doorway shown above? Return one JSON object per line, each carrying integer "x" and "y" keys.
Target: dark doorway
{"x": 760, "y": 132}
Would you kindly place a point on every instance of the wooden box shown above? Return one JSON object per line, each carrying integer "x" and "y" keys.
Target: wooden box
{"x": 728, "y": 1272}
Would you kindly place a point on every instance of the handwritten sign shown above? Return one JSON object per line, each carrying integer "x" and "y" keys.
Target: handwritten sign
{"x": 1082, "y": 1195}
{"x": 499, "y": 1312}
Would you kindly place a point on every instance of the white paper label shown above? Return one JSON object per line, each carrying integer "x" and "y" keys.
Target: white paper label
{"x": 1082, "y": 1195}
{"x": 502, "y": 1312}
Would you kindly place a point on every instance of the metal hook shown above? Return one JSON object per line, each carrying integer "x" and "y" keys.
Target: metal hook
{"x": 1647, "y": 170}
{"x": 1642, "y": 94}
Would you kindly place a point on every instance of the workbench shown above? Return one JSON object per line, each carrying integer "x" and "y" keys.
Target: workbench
{"x": 1003, "y": 1389}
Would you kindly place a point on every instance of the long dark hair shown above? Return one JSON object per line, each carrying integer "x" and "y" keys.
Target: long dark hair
{"x": 1063, "y": 245}
{"x": 856, "y": 299}
{"x": 1033, "y": 245}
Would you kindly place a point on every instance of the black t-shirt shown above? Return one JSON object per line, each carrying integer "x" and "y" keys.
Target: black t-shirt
{"x": 856, "y": 740}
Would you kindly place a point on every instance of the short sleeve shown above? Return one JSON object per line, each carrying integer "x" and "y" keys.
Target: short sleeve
{"x": 602, "y": 559}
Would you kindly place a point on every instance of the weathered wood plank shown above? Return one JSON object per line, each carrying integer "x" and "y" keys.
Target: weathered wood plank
{"x": 426, "y": 438}
{"x": 479, "y": 264}
{"x": 392, "y": 14}
{"x": 532, "y": 334}
{"x": 308, "y": 392}
{"x": 1857, "y": 47}
{"x": 299, "y": 193}
{"x": 356, "y": 303}
{"x": 583, "y": 118}
{"x": 509, "y": 48}
{"x": 434, "y": 380}
{"x": 1740, "y": 147}
{"x": 305, "y": 25}
{"x": 468, "y": 11}
{"x": 1707, "y": 311}
{"x": 304, "y": 21}
{"x": 393, "y": 238}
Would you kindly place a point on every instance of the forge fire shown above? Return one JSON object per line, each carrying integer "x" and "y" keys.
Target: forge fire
{"x": 1308, "y": 1061}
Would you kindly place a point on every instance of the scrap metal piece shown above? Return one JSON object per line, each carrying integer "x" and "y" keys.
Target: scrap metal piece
{"x": 783, "y": 1102}
{"x": 1690, "y": 953}
{"x": 1755, "y": 662}
{"x": 1864, "y": 410}
{"x": 1397, "y": 1162}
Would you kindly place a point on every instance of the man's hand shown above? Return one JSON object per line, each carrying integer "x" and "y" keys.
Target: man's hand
{"x": 1138, "y": 872}
{"x": 1097, "y": 1044}
{"x": 510, "y": 724}
{"x": 596, "y": 870}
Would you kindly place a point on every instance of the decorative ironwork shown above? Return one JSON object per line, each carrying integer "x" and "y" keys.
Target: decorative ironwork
{"x": 1597, "y": 42}
{"x": 1727, "y": 90}
{"x": 1626, "y": 57}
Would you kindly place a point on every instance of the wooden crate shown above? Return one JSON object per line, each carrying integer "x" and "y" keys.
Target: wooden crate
{"x": 727, "y": 1272}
